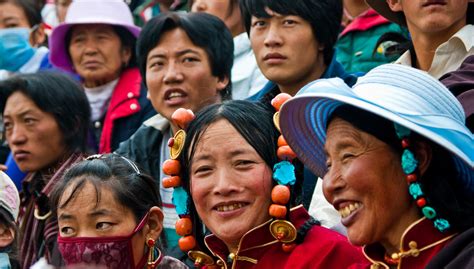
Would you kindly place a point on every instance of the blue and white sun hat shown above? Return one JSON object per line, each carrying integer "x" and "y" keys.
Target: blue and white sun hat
{"x": 401, "y": 94}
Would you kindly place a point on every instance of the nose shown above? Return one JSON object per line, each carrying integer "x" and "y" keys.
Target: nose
{"x": 199, "y": 6}
{"x": 173, "y": 74}
{"x": 333, "y": 183}
{"x": 273, "y": 37}
{"x": 225, "y": 183}
{"x": 90, "y": 47}
{"x": 16, "y": 136}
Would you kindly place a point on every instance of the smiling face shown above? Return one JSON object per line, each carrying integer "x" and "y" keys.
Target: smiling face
{"x": 82, "y": 217}
{"x": 366, "y": 183}
{"x": 178, "y": 74}
{"x": 432, "y": 17}
{"x": 230, "y": 183}
{"x": 33, "y": 135}
{"x": 97, "y": 53}
{"x": 286, "y": 50}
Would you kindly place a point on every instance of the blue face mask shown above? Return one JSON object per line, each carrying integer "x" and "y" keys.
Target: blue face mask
{"x": 4, "y": 261}
{"x": 15, "y": 48}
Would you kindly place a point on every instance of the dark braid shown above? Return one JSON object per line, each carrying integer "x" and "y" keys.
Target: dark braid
{"x": 304, "y": 229}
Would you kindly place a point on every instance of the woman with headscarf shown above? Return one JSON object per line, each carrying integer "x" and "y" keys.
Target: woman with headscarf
{"x": 97, "y": 42}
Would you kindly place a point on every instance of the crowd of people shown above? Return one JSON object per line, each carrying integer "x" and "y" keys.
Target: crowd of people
{"x": 237, "y": 134}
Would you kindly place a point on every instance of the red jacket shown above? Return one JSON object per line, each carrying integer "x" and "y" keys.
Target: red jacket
{"x": 128, "y": 99}
{"x": 321, "y": 248}
{"x": 429, "y": 241}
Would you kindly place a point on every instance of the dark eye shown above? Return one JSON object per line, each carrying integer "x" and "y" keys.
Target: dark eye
{"x": 190, "y": 59}
{"x": 29, "y": 121}
{"x": 103, "y": 225}
{"x": 202, "y": 169}
{"x": 289, "y": 22}
{"x": 258, "y": 23}
{"x": 7, "y": 125}
{"x": 67, "y": 230}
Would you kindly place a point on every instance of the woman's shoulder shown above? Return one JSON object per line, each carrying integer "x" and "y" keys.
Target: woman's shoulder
{"x": 170, "y": 262}
{"x": 458, "y": 253}
{"x": 332, "y": 248}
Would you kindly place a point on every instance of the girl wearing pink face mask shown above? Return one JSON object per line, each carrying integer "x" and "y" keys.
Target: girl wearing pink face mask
{"x": 109, "y": 216}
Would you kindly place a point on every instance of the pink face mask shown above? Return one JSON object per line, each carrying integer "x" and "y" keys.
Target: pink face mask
{"x": 110, "y": 252}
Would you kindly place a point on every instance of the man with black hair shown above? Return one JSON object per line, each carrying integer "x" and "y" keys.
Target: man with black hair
{"x": 293, "y": 42}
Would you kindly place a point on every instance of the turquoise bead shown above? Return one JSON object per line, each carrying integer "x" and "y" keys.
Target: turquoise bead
{"x": 180, "y": 201}
{"x": 442, "y": 225}
{"x": 415, "y": 190}
{"x": 284, "y": 173}
{"x": 409, "y": 163}
{"x": 401, "y": 130}
{"x": 429, "y": 212}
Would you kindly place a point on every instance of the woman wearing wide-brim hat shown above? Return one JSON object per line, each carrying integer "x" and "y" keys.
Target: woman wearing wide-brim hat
{"x": 97, "y": 42}
{"x": 441, "y": 32}
{"x": 397, "y": 162}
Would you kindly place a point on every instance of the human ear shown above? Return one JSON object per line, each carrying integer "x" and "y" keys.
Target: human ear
{"x": 126, "y": 55}
{"x": 38, "y": 36}
{"x": 155, "y": 223}
{"x": 424, "y": 154}
{"x": 395, "y": 5}
{"x": 222, "y": 83}
{"x": 7, "y": 235}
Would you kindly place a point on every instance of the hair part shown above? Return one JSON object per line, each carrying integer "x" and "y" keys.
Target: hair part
{"x": 204, "y": 30}
{"x": 59, "y": 95}
{"x": 136, "y": 191}
{"x": 324, "y": 16}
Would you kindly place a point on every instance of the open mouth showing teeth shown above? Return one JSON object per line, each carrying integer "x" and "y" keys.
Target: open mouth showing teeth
{"x": 175, "y": 94}
{"x": 346, "y": 211}
{"x": 224, "y": 208}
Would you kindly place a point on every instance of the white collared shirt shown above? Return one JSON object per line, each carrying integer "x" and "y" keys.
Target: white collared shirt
{"x": 247, "y": 79}
{"x": 449, "y": 55}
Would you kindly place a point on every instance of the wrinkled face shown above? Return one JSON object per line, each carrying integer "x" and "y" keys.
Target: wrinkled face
{"x": 178, "y": 74}
{"x": 230, "y": 183}
{"x": 33, "y": 135}
{"x": 220, "y": 9}
{"x": 97, "y": 53}
{"x": 83, "y": 217}
{"x": 12, "y": 16}
{"x": 286, "y": 50}
{"x": 366, "y": 184}
{"x": 432, "y": 16}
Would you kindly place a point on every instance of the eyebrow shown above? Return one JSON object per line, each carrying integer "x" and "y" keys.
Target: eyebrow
{"x": 21, "y": 114}
{"x": 205, "y": 157}
{"x": 100, "y": 212}
{"x": 340, "y": 145}
{"x": 179, "y": 53}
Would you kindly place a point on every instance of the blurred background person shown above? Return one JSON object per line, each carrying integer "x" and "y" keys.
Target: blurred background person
{"x": 46, "y": 117}
{"x": 97, "y": 42}
{"x": 145, "y": 10}
{"x": 9, "y": 235}
{"x": 441, "y": 32}
{"x": 22, "y": 38}
{"x": 357, "y": 47}
{"x": 247, "y": 79}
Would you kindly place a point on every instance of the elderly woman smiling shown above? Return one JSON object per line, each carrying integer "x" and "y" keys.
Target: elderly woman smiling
{"x": 97, "y": 42}
{"x": 397, "y": 162}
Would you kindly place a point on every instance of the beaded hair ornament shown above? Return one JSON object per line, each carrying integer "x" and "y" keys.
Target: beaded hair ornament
{"x": 172, "y": 167}
{"x": 410, "y": 168}
{"x": 284, "y": 174}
